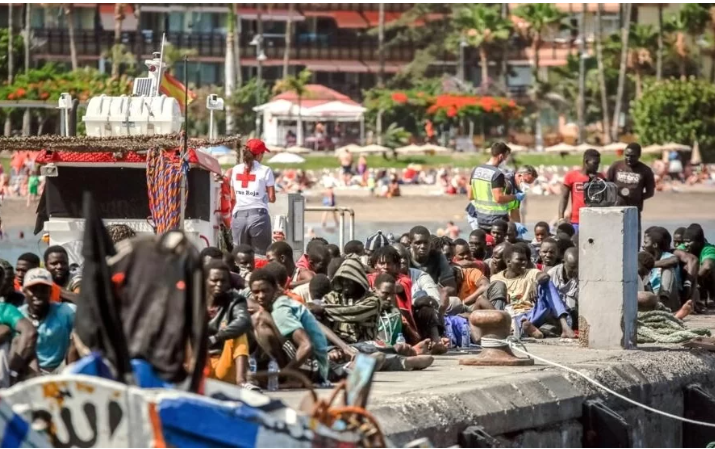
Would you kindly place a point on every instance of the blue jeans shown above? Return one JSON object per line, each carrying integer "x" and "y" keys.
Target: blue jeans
{"x": 548, "y": 305}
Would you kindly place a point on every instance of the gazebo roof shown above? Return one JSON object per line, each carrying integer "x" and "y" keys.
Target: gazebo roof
{"x": 319, "y": 103}
{"x": 316, "y": 94}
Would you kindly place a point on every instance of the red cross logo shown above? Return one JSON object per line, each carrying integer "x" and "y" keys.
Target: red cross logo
{"x": 245, "y": 178}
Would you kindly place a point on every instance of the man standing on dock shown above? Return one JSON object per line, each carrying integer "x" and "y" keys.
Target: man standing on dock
{"x": 487, "y": 193}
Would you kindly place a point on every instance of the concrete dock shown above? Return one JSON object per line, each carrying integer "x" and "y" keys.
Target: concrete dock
{"x": 540, "y": 405}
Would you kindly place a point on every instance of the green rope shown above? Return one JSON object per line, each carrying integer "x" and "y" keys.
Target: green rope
{"x": 659, "y": 326}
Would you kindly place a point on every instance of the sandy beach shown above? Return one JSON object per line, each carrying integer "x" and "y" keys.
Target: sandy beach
{"x": 420, "y": 204}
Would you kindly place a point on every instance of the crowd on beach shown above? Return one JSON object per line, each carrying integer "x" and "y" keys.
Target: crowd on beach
{"x": 23, "y": 179}
{"x": 399, "y": 299}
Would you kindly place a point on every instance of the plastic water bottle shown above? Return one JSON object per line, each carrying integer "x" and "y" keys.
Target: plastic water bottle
{"x": 466, "y": 338}
{"x": 400, "y": 339}
{"x": 449, "y": 331}
{"x": 252, "y": 365}
{"x": 273, "y": 375}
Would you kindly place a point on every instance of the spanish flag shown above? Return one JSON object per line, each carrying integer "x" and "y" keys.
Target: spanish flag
{"x": 171, "y": 87}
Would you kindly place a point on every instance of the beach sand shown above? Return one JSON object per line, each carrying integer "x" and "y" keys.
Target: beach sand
{"x": 421, "y": 205}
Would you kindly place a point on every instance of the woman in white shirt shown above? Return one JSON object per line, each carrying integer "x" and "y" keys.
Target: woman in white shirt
{"x": 253, "y": 187}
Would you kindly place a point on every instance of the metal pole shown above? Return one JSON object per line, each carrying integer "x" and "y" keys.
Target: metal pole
{"x": 185, "y": 149}
{"x": 581, "y": 111}
{"x": 341, "y": 232}
{"x": 351, "y": 224}
{"x": 211, "y": 124}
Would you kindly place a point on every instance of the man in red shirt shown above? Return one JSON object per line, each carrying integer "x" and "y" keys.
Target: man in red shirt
{"x": 573, "y": 185}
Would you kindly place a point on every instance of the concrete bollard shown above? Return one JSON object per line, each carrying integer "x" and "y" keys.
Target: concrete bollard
{"x": 494, "y": 324}
{"x": 608, "y": 282}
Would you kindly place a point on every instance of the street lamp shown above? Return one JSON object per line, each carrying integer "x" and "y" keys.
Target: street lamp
{"x": 260, "y": 57}
{"x": 460, "y": 69}
{"x": 213, "y": 103}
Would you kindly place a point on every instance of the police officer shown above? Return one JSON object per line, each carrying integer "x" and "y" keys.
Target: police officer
{"x": 487, "y": 193}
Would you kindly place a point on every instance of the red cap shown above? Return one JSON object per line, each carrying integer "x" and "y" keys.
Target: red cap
{"x": 490, "y": 240}
{"x": 256, "y": 146}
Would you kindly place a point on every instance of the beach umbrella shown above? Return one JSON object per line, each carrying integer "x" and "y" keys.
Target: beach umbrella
{"x": 275, "y": 149}
{"x": 430, "y": 148}
{"x": 349, "y": 148}
{"x": 587, "y": 146}
{"x": 516, "y": 148}
{"x": 373, "y": 149}
{"x": 560, "y": 148}
{"x": 672, "y": 146}
{"x": 652, "y": 149}
{"x": 613, "y": 147}
{"x": 228, "y": 159}
{"x": 220, "y": 150}
{"x": 695, "y": 158}
{"x": 286, "y": 158}
{"x": 409, "y": 149}
{"x": 298, "y": 150}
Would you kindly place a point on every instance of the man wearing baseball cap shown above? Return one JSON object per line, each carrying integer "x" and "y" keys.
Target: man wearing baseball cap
{"x": 54, "y": 321}
{"x": 252, "y": 188}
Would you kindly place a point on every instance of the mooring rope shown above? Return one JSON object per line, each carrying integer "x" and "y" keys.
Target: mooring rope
{"x": 163, "y": 176}
{"x": 516, "y": 345}
{"x": 659, "y": 326}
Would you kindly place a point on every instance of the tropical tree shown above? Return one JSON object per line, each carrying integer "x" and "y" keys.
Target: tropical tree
{"x": 625, "y": 34}
{"x": 482, "y": 27}
{"x": 381, "y": 68}
{"x": 27, "y": 44}
{"x": 172, "y": 55}
{"x": 10, "y": 63}
{"x": 244, "y": 99}
{"x": 683, "y": 29}
{"x": 68, "y": 9}
{"x": 117, "y": 48}
{"x": 538, "y": 18}
{"x": 288, "y": 40}
{"x": 659, "y": 54}
{"x": 601, "y": 73}
{"x": 643, "y": 39}
{"x": 229, "y": 64}
{"x": 296, "y": 84}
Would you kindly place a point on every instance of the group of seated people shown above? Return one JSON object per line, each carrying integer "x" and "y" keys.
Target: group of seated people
{"x": 400, "y": 301}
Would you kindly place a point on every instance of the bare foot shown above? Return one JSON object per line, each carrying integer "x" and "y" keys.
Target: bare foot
{"x": 423, "y": 347}
{"x": 404, "y": 349}
{"x": 418, "y": 362}
{"x": 567, "y": 333}
{"x": 686, "y": 310}
{"x": 531, "y": 330}
{"x": 438, "y": 349}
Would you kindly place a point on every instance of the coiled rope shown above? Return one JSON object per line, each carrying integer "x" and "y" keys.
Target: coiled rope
{"x": 659, "y": 326}
{"x": 163, "y": 176}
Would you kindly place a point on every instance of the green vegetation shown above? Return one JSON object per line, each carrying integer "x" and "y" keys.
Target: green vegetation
{"x": 457, "y": 161}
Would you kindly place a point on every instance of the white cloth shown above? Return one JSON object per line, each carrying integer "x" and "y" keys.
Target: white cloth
{"x": 250, "y": 190}
{"x": 423, "y": 282}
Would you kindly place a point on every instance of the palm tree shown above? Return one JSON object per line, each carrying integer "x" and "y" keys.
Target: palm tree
{"x": 288, "y": 39}
{"x": 116, "y": 48}
{"x": 601, "y": 74}
{"x": 642, "y": 40}
{"x": 381, "y": 45}
{"x": 230, "y": 65}
{"x": 68, "y": 9}
{"x": 26, "y": 116}
{"x": 659, "y": 54}
{"x": 10, "y": 62}
{"x": 296, "y": 84}
{"x": 538, "y": 18}
{"x": 683, "y": 27}
{"x": 237, "y": 48}
{"x": 482, "y": 26}
{"x": 625, "y": 34}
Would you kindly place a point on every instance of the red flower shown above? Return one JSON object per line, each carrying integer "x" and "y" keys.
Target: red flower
{"x": 11, "y": 96}
{"x": 20, "y": 92}
{"x": 44, "y": 96}
{"x": 452, "y": 112}
{"x": 399, "y": 97}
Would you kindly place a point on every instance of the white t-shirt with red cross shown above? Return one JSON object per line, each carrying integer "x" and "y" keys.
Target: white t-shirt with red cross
{"x": 250, "y": 189}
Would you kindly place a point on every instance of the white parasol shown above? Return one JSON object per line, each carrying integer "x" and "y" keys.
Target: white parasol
{"x": 561, "y": 148}
{"x": 695, "y": 158}
{"x": 298, "y": 150}
{"x": 349, "y": 148}
{"x": 374, "y": 148}
{"x": 587, "y": 146}
{"x": 286, "y": 158}
{"x": 652, "y": 149}
{"x": 613, "y": 147}
{"x": 672, "y": 146}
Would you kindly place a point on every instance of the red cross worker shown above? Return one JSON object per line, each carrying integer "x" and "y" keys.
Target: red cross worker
{"x": 252, "y": 188}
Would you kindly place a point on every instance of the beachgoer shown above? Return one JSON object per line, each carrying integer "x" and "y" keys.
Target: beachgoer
{"x": 346, "y": 163}
{"x": 25, "y": 263}
{"x": 286, "y": 329}
{"x": 57, "y": 262}
{"x": 452, "y": 230}
{"x": 489, "y": 200}
{"x": 573, "y": 186}
{"x": 228, "y": 325}
{"x": 522, "y": 287}
{"x": 253, "y": 187}
{"x": 33, "y": 185}
{"x": 329, "y": 201}
{"x": 635, "y": 180}
{"x": 54, "y": 320}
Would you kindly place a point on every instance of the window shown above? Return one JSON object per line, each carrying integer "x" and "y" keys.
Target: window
{"x": 520, "y": 75}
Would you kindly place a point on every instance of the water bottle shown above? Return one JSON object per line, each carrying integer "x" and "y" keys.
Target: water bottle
{"x": 400, "y": 339}
{"x": 466, "y": 338}
{"x": 252, "y": 365}
{"x": 273, "y": 375}
{"x": 449, "y": 331}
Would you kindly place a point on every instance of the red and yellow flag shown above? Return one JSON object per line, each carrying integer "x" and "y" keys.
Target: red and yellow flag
{"x": 171, "y": 87}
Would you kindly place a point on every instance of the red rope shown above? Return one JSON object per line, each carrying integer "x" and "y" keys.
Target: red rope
{"x": 163, "y": 175}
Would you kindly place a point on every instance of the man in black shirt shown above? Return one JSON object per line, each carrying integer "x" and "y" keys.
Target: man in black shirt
{"x": 635, "y": 180}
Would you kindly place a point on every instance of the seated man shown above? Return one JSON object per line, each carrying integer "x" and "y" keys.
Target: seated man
{"x": 480, "y": 244}
{"x": 245, "y": 259}
{"x": 25, "y": 263}
{"x": 523, "y": 286}
{"x": 496, "y": 263}
{"x": 228, "y": 327}
{"x": 549, "y": 254}
{"x": 18, "y": 339}
{"x": 213, "y": 254}
{"x": 430, "y": 260}
{"x": 664, "y": 282}
{"x": 463, "y": 257}
{"x": 286, "y": 330}
{"x": 565, "y": 278}
{"x": 54, "y": 321}
{"x": 694, "y": 242}
{"x": 647, "y": 300}
{"x": 66, "y": 285}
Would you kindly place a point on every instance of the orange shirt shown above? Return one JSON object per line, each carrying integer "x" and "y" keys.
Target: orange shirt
{"x": 472, "y": 276}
